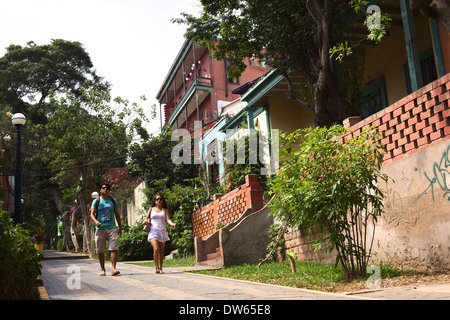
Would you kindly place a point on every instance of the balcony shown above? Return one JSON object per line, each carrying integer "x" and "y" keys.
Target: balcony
{"x": 195, "y": 93}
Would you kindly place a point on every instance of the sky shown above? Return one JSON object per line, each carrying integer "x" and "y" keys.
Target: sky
{"x": 132, "y": 43}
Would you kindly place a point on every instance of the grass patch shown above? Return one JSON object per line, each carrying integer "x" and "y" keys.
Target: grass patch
{"x": 309, "y": 275}
{"x": 180, "y": 262}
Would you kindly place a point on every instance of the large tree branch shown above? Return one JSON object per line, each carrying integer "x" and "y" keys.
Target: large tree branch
{"x": 435, "y": 9}
{"x": 315, "y": 11}
{"x": 292, "y": 95}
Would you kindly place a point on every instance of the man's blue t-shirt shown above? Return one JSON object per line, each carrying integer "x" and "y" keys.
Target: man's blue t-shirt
{"x": 105, "y": 213}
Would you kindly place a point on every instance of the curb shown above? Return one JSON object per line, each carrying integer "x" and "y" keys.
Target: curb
{"x": 38, "y": 285}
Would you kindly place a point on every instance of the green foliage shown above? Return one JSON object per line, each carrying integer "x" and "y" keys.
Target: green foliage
{"x": 152, "y": 161}
{"x": 377, "y": 23}
{"x": 341, "y": 51}
{"x": 179, "y": 183}
{"x": 184, "y": 200}
{"x": 358, "y": 5}
{"x": 235, "y": 172}
{"x": 332, "y": 184}
{"x": 181, "y": 237}
{"x": 19, "y": 260}
{"x": 98, "y": 138}
{"x": 133, "y": 244}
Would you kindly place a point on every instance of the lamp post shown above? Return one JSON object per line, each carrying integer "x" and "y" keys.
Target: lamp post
{"x": 18, "y": 120}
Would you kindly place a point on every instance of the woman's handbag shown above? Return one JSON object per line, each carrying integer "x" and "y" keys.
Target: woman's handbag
{"x": 146, "y": 226}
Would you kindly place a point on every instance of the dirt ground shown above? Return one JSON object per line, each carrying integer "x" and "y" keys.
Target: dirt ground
{"x": 406, "y": 280}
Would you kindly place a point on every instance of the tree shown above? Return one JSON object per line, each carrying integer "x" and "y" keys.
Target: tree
{"x": 293, "y": 36}
{"x": 28, "y": 76}
{"x": 331, "y": 183}
{"x": 84, "y": 136}
{"x": 152, "y": 161}
{"x": 34, "y": 72}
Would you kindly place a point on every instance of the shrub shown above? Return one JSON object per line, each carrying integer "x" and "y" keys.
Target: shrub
{"x": 133, "y": 244}
{"x": 19, "y": 260}
{"x": 332, "y": 184}
{"x": 181, "y": 237}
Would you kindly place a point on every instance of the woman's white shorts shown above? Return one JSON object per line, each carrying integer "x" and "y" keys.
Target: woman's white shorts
{"x": 160, "y": 235}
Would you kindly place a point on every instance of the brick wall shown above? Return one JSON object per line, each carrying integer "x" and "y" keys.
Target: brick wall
{"x": 227, "y": 208}
{"x": 300, "y": 241}
{"x": 416, "y": 122}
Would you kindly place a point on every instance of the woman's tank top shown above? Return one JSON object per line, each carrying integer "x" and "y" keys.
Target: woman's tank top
{"x": 158, "y": 219}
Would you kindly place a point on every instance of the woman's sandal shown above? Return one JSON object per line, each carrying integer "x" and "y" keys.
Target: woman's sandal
{"x": 158, "y": 270}
{"x": 161, "y": 271}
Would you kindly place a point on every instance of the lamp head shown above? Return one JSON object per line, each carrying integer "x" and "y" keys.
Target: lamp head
{"x": 18, "y": 119}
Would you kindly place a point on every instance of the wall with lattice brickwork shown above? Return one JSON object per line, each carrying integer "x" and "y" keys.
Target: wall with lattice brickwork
{"x": 226, "y": 209}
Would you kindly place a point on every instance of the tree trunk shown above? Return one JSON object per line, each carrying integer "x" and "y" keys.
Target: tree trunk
{"x": 87, "y": 231}
{"x": 330, "y": 106}
{"x": 65, "y": 232}
{"x": 56, "y": 195}
{"x": 73, "y": 226}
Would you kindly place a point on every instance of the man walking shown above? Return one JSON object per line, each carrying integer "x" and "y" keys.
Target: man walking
{"x": 104, "y": 213}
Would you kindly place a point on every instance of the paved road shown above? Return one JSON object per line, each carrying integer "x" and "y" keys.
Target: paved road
{"x": 66, "y": 278}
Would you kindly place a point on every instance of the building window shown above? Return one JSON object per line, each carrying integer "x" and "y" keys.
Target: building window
{"x": 212, "y": 160}
{"x": 373, "y": 98}
{"x": 228, "y": 66}
{"x": 427, "y": 67}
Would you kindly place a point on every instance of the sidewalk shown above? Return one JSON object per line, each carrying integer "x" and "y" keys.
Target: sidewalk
{"x": 69, "y": 276}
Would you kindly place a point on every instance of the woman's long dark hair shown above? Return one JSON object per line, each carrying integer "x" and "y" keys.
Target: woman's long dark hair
{"x": 164, "y": 204}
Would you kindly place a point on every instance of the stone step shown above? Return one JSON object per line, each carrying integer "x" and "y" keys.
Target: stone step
{"x": 212, "y": 259}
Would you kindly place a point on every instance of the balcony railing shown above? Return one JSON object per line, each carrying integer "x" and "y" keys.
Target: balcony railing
{"x": 190, "y": 89}
{"x": 200, "y": 81}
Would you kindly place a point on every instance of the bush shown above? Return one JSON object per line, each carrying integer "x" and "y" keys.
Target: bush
{"x": 133, "y": 244}
{"x": 332, "y": 184}
{"x": 181, "y": 237}
{"x": 19, "y": 260}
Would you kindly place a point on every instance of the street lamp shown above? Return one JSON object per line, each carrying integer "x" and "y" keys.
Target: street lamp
{"x": 18, "y": 120}
{"x": 95, "y": 195}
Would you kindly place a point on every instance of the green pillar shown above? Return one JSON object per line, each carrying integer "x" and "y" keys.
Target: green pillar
{"x": 411, "y": 46}
{"x": 437, "y": 48}
{"x": 250, "y": 122}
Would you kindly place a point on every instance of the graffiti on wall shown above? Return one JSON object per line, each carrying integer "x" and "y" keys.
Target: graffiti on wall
{"x": 439, "y": 177}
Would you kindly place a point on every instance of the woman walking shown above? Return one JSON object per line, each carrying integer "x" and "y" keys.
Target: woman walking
{"x": 157, "y": 216}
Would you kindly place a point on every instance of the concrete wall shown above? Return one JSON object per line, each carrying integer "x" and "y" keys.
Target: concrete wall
{"x": 414, "y": 231}
{"x": 135, "y": 210}
{"x": 247, "y": 241}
